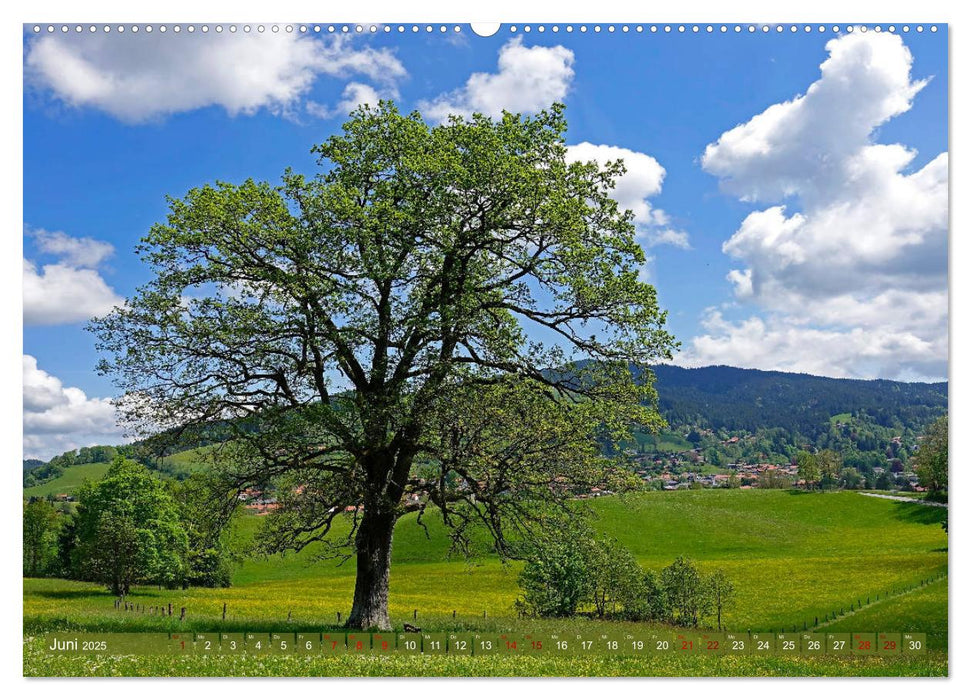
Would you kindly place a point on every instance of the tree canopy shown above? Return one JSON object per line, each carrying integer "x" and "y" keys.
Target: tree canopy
{"x": 931, "y": 461}
{"x": 127, "y": 530}
{"x": 442, "y": 315}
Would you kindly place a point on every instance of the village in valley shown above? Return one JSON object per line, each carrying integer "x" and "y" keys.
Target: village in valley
{"x": 690, "y": 469}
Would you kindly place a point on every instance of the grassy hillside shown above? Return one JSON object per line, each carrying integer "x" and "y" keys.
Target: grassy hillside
{"x": 793, "y": 556}
{"x": 186, "y": 462}
{"x": 69, "y": 481}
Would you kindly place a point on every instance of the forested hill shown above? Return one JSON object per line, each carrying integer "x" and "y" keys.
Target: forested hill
{"x": 747, "y": 399}
{"x": 716, "y": 398}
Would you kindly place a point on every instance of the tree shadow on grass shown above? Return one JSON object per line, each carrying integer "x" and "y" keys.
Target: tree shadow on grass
{"x": 919, "y": 513}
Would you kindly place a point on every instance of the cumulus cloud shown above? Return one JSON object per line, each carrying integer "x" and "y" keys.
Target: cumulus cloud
{"x": 138, "y": 77}
{"x": 355, "y": 95}
{"x": 778, "y": 343}
{"x": 634, "y": 189}
{"x": 71, "y": 289}
{"x": 79, "y": 252}
{"x": 864, "y": 82}
{"x": 58, "y": 418}
{"x": 850, "y": 261}
{"x": 528, "y": 79}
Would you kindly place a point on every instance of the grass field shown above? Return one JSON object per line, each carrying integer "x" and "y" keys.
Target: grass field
{"x": 794, "y": 557}
{"x": 662, "y": 442}
{"x": 69, "y": 481}
{"x": 188, "y": 461}
{"x": 37, "y": 663}
{"x": 921, "y": 608}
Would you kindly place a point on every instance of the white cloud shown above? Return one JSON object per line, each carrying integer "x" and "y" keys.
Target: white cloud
{"x": 633, "y": 189}
{"x": 851, "y": 259}
{"x": 355, "y": 95}
{"x": 529, "y": 79}
{"x": 864, "y": 82}
{"x": 777, "y": 343}
{"x": 138, "y": 77}
{"x": 58, "y": 418}
{"x": 63, "y": 294}
{"x": 78, "y": 252}
{"x": 71, "y": 289}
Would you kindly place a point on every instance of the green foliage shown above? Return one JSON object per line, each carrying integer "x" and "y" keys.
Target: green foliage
{"x": 734, "y": 399}
{"x": 829, "y": 462}
{"x": 686, "y": 592}
{"x": 651, "y": 603}
{"x": 410, "y": 269}
{"x": 809, "y": 470}
{"x": 570, "y": 567}
{"x": 618, "y": 580}
{"x": 204, "y": 514}
{"x": 773, "y": 479}
{"x": 556, "y": 577}
{"x": 850, "y": 478}
{"x": 40, "y": 529}
{"x": 930, "y": 461}
{"x": 127, "y": 530}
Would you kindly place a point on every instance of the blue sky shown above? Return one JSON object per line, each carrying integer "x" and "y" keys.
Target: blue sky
{"x": 795, "y": 217}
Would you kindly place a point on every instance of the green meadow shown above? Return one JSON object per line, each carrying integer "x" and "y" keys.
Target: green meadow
{"x": 796, "y": 559}
{"x": 69, "y": 481}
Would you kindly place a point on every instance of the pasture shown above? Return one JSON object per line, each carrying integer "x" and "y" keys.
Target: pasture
{"x": 795, "y": 558}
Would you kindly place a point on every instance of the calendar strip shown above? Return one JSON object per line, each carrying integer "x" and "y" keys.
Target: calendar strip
{"x": 487, "y": 644}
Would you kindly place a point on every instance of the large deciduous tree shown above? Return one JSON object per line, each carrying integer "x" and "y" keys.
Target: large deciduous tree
{"x": 441, "y": 317}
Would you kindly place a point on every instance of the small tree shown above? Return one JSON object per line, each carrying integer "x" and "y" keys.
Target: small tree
{"x": 774, "y": 479}
{"x": 808, "y": 468}
{"x": 652, "y": 604}
{"x": 687, "y": 595}
{"x": 931, "y": 462}
{"x": 722, "y": 593}
{"x": 617, "y": 578}
{"x": 556, "y": 578}
{"x": 830, "y": 463}
{"x": 850, "y": 478}
{"x": 40, "y": 534}
{"x": 127, "y": 530}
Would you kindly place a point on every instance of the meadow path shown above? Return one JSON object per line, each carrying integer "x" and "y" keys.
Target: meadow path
{"x": 905, "y": 499}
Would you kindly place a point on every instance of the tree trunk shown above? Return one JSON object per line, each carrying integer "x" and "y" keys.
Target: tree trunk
{"x": 373, "y": 542}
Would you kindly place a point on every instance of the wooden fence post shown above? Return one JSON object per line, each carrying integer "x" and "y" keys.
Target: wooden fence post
{"x": 224, "y": 611}
{"x": 182, "y": 615}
